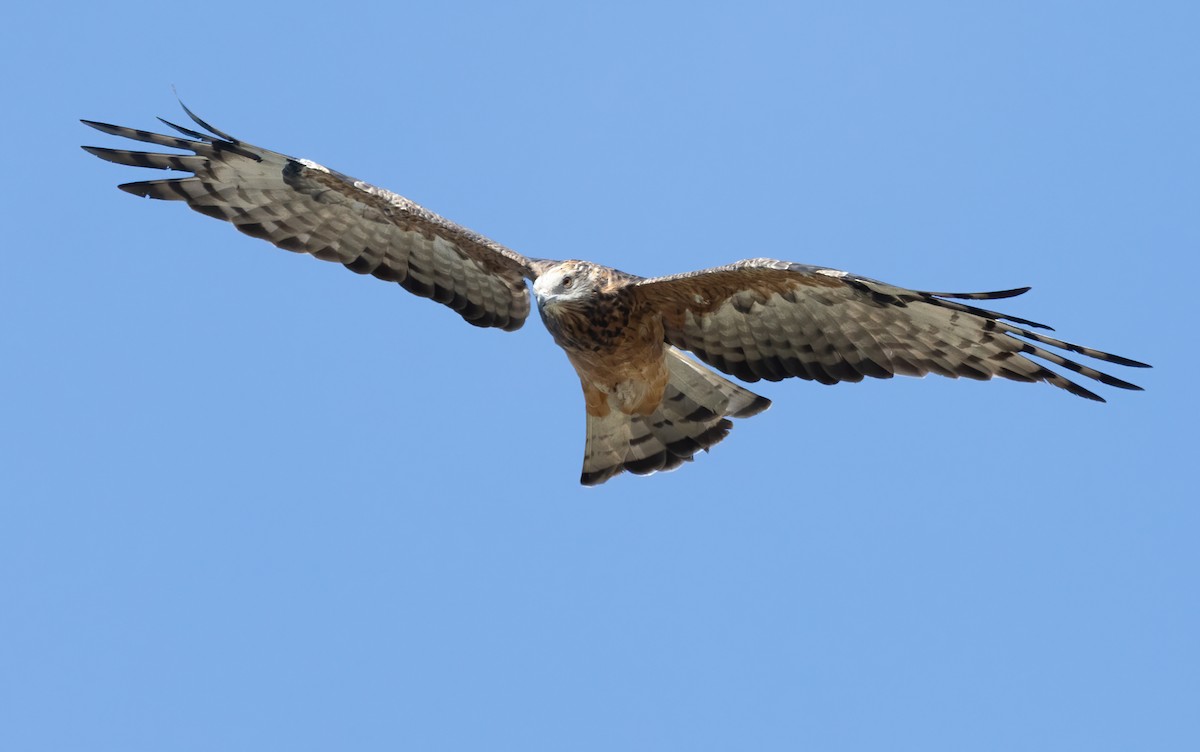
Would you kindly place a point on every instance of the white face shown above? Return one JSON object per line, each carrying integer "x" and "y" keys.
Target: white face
{"x": 562, "y": 283}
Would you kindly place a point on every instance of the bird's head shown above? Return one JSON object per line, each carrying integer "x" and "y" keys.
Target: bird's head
{"x": 566, "y": 282}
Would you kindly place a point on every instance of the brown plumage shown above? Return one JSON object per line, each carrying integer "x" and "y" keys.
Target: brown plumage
{"x": 648, "y": 406}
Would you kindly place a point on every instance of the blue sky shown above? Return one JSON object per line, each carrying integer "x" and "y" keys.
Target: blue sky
{"x": 251, "y": 501}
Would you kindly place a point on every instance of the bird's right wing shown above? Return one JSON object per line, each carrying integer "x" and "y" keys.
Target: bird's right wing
{"x": 301, "y": 206}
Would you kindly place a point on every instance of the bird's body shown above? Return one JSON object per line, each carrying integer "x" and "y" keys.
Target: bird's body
{"x": 614, "y": 342}
{"x": 648, "y": 406}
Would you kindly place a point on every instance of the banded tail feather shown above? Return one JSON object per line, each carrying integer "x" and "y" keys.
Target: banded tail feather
{"x": 693, "y": 416}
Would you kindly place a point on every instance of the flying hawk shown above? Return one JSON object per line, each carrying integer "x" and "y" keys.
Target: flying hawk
{"x": 649, "y": 407}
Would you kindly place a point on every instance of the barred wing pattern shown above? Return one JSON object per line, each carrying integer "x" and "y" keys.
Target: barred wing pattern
{"x": 767, "y": 319}
{"x": 301, "y": 206}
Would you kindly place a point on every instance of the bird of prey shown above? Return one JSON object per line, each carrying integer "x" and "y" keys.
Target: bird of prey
{"x": 649, "y": 407}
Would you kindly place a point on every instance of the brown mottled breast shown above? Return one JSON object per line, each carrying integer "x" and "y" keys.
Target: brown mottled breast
{"x": 616, "y": 345}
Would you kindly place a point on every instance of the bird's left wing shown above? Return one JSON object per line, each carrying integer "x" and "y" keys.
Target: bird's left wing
{"x": 767, "y": 319}
{"x": 301, "y": 206}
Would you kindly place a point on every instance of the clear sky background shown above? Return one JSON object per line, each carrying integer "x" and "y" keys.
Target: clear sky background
{"x": 252, "y": 501}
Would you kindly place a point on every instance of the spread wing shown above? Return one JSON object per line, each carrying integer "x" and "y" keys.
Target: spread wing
{"x": 301, "y": 206}
{"x": 766, "y": 319}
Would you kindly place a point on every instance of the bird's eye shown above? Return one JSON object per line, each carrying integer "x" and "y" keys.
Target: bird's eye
{"x": 566, "y": 282}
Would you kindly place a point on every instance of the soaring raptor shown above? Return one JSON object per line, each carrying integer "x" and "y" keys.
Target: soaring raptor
{"x": 649, "y": 407}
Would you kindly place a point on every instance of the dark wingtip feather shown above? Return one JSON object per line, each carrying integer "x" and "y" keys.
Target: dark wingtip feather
{"x": 1011, "y": 293}
{"x": 1027, "y": 322}
{"x": 203, "y": 124}
{"x": 169, "y": 189}
{"x": 103, "y": 127}
{"x": 116, "y": 156}
{"x": 1113, "y": 381}
{"x": 137, "y": 189}
{"x": 1126, "y": 361}
{"x": 1076, "y": 389}
{"x": 186, "y": 131}
{"x": 994, "y": 295}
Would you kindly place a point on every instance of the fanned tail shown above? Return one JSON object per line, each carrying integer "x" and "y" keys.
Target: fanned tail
{"x": 693, "y": 416}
